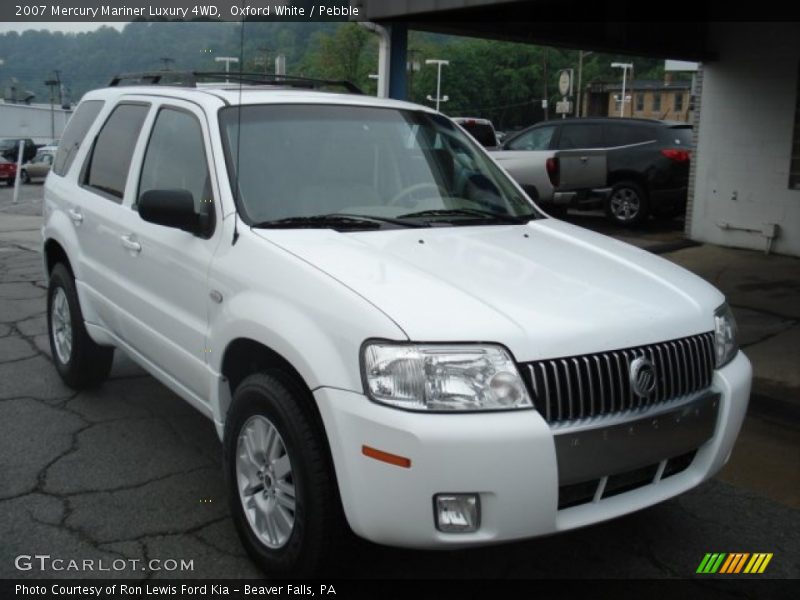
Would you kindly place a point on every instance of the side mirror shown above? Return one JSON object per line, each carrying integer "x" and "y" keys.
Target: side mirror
{"x": 172, "y": 208}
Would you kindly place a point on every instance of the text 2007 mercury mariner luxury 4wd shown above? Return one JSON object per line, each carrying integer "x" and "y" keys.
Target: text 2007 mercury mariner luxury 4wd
{"x": 389, "y": 336}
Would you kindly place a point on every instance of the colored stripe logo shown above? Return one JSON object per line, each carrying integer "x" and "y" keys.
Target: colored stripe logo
{"x": 734, "y": 563}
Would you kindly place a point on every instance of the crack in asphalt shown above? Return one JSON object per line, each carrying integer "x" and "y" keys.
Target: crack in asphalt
{"x": 766, "y": 311}
{"x": 132, "y": 486}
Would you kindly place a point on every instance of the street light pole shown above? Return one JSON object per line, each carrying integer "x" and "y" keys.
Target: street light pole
{"x": 439, "y": 64}
{"x": 624, "y": 67}
{"x": 227, "y": 60}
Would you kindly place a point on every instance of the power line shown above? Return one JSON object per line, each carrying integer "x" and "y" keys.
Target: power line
{"x": 499, "y": 106}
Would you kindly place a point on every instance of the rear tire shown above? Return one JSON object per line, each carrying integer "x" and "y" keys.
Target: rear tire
{"x": 80, "y": 362}
{"x": 281, "y": 485}
{"x": 627, "y": 204}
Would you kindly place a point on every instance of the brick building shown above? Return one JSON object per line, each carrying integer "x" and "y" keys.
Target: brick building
{"x": 670, "y": 99}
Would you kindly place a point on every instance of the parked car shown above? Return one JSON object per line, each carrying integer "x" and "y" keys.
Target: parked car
{"x": 8, "y": 171}
{"x": 481, "y": 129}
{"x": 387, "y": 334}
{"x": 647, "y": 161}
{"x": 9, "y": 149}
{"x": 39, "y": 167}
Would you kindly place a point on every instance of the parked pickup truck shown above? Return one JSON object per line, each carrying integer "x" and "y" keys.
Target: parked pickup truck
{"x": 555, "y": 177}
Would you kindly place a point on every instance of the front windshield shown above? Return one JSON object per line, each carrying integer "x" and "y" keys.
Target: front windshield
{"x": 297, "y": 161}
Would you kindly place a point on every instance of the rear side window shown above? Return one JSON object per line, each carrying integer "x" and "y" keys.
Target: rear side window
{"x": 618, "y": 134}
{"x": 589, "y": 135}
{"x": 110, "y": 161}
{"x": 73, "y": 135}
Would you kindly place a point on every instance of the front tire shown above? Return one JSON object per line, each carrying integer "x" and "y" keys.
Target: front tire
{"x": 26, "y": 178}
{"x": 281, "y": 485}
{"x": 627, "y": 204}
{"x": 80, "y": 362}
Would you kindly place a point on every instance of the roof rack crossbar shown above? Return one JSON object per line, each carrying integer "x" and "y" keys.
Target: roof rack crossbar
{"x": 192, "y": 78}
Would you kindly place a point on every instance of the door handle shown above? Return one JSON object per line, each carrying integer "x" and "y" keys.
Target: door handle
{"x": 584, "y": 158}
{"x": 129, "y": 244}
{"x": 75, "y": 215}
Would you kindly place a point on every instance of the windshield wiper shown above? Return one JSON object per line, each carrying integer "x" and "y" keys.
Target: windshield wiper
{"x": 335, "y": 221}
{"x": 470, "y": 212}
{"x": 393, "y": 221}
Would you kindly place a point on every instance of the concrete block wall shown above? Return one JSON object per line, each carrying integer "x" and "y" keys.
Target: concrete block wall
{"x": 746, "y": 126}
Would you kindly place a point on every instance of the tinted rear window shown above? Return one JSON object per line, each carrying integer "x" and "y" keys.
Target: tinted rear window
{"x": 680, "y": 136}
{"x": 76, "y": 129}
{"x": 622, "y": 134}
{"x": 111, "y": 158}
{"x": 589, "y": 135}
{"x": 483, "y": 133}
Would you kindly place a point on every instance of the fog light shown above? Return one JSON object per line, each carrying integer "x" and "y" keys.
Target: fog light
{"x": 457, "y": 513}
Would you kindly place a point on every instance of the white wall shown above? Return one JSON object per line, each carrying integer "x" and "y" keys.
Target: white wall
{"x": 31, "y": 121}
{"x": 745, "y": 137}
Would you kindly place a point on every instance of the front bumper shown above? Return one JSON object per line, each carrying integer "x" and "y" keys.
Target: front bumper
{"x": 508, "y": 458}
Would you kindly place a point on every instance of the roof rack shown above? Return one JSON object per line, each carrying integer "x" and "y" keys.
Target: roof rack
{"x": 192, "y": 78}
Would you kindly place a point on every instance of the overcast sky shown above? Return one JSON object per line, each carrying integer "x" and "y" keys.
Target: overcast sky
{"x": 60, "y": 26}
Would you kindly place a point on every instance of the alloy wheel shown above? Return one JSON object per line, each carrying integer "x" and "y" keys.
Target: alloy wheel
{"x": 265, "y": 481}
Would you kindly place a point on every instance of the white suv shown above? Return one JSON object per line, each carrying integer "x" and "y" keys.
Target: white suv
{"x": 389, "y": 336}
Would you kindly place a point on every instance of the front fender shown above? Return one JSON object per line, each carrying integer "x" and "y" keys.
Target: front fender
{"x": 324, "y": 353}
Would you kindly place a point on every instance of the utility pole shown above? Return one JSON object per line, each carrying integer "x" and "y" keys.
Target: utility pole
{"x": 60, "y": 88}
{"x": 579, "y": 96}
{"x": 265, "y": 50}
{"x": 546, "y": 96}
{"x": 166, "y": 60}
{"x": 52, "y": 83}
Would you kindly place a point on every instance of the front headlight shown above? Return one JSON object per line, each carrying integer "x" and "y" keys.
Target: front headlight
{"x": 443, "y": 378}
{"x": 725, "y": 335}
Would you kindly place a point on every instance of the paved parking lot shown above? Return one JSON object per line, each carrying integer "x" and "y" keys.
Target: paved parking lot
{"x": 131, "y": 471}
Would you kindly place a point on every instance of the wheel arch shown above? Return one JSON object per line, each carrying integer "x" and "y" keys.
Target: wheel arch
{"x": 244, "y": 356}
{"x": 638, "y": 178}
{"x": 55, "y": 253}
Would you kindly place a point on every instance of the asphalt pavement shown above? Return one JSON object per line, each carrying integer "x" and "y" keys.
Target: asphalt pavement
{"x": 130, "y": 471}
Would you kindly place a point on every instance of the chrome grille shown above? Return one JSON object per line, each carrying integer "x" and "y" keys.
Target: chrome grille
{"x": 582, "y": 387}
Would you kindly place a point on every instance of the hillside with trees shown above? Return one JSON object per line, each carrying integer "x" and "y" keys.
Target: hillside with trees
{"x": 499, "y": 80}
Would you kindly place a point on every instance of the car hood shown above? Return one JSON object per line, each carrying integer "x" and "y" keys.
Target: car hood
{"x": 544, "y": 289}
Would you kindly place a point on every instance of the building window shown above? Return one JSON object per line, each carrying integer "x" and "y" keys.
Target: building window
{"x": 639, "y": 102}
{"x": 656, "y": 101}
{"x": 678, "y": 101}
{"x": 794, "y": 166}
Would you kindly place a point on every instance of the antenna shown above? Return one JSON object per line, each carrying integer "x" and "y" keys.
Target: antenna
{"x": 240, "y": 60}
